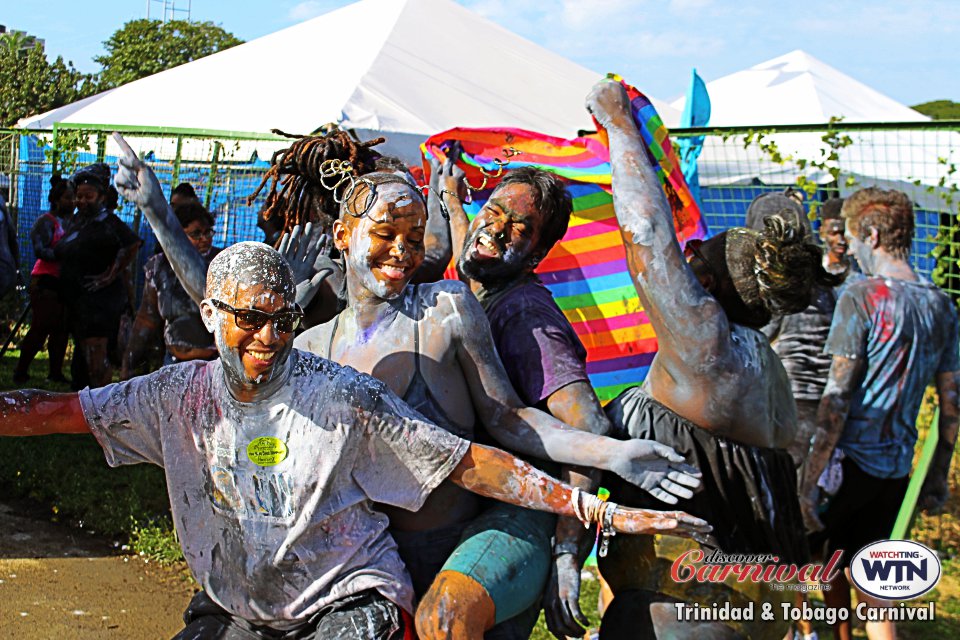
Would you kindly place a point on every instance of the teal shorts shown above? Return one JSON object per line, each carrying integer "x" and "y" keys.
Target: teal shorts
{"x": 507, "y": 550}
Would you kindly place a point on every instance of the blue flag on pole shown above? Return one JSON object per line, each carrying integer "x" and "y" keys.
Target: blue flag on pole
{"x": 696, "y": 113}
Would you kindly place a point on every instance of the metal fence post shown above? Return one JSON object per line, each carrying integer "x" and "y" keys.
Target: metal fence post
{"x": 208, "y": 196}
{"x": 175, "y": 174}
{"x": 101, "y": 146}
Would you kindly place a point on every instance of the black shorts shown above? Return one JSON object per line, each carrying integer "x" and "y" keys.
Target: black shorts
{"x": 863, "y": 511}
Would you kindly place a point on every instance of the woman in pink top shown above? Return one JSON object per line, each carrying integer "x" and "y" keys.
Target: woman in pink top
{"x": 48, "y": 321}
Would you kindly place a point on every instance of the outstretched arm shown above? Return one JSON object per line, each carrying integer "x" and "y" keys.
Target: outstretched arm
{"x": 32, "y": 412}
{"x": 935, "y": 491}
{"x": 137, "y": 183}
{"x": 691, "y": 326}
{"x": 497, "y": 474}
{"x": 845, "y": 374}
{"x": 647, "y": 464}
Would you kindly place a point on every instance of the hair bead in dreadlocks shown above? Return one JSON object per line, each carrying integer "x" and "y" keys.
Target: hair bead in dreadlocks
{"x": 298, "y": 172}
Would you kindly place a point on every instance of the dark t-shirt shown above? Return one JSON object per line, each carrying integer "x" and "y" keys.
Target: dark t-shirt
{"x": 798, "y": 340}
{"x": 88, "y": 248}
{"x": 539, "y": 349}
{"x": 906, "y": 332}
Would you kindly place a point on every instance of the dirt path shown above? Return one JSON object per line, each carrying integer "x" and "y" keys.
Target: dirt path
{"x": 59, "y": 582}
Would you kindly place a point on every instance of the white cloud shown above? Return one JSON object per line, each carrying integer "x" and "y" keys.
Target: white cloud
{"x": 310, "y": 9}
{"x": 577, "y": 14}
{"x": 681, "y": 6}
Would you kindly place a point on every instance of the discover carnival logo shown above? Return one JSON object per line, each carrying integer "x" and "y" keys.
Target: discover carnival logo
{"x": 895, "y": 569}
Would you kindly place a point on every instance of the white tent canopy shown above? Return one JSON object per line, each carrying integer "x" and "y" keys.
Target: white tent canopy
{"x": 796, "y": 88}
{"x": 799, "y": 89}
{"x": 405, "y": 68}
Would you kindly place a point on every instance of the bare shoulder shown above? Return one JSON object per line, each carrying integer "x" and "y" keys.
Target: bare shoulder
{"x": 316, "y": 339}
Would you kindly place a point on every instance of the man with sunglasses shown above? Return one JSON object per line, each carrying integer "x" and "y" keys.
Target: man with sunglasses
{"x": 165, "y": 305}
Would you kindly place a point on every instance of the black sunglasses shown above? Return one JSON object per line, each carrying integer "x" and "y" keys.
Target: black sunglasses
{"x": 254, "y": 319}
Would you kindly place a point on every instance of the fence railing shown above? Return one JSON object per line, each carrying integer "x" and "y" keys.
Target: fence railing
{"x": 736, "y": 165}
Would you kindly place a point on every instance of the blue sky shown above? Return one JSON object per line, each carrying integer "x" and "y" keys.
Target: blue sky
{"x": 907, "y": 50}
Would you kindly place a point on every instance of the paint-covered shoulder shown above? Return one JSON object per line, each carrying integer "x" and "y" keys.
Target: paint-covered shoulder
{"x": 307, "y": 364}
{"x": 444, "y": 292}
{"x": 315, "y": 339}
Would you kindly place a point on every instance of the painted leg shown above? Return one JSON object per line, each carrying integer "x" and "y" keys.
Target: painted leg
{"x": 838, "y": 596}
{"x": 879, "y": 630}
{"x": 98, "y": 362}
{"x": 456, "y": 607}
{"x": 805, "y": 627}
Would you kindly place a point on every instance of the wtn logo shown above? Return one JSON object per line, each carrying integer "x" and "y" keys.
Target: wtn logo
{"x": 903, "y": 569}
{"x": 895, "y": 569}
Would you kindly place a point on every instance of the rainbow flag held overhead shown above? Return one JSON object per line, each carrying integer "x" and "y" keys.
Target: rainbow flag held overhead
{"x": 586, "y": 271}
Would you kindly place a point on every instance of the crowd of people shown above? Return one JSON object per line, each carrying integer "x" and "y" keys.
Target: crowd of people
{"x": 356, "y": 447}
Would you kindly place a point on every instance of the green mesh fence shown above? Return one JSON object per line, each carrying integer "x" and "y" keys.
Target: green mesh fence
{"x": 224, "y": 168}
{"x": 735, "y": 166}
{"x": 822, "y": 161}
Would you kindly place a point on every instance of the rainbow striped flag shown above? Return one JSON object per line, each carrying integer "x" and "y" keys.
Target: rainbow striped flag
{"x": 586, "y": 271}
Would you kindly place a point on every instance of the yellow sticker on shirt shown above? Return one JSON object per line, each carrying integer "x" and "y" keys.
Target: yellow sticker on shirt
{"x": 266, "y": 451}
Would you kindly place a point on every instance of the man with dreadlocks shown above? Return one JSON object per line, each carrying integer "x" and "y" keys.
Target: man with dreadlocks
{"x": 275, "y": 457}
{"x": 431, "y": 344}
{"x": 716, "y": 390}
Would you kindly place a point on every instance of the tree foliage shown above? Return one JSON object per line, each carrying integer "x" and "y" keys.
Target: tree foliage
{"x": 31, "y": 84}
{"x": 939, "y": 109}
{"x": 143, "y": 47}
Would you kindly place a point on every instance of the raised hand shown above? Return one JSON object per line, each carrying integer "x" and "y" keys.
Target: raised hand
{"x": 135, "y": 181}
{"x": 657, "y": 469}
{"x": 608, "y": 103}
{"x": 307, "y": 254}
{"x": 447, "y": 179}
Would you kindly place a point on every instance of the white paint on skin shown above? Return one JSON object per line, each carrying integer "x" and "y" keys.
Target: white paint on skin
{"x": 359, "y": 258}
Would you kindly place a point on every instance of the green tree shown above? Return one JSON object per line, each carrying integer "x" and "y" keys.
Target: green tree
{"x": 141, "y": 48}
{"x": 31, "y": 84}
{"x": 939, "y": 109}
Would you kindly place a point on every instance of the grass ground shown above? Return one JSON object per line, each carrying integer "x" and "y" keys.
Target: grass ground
{"x": 70, "y": 476}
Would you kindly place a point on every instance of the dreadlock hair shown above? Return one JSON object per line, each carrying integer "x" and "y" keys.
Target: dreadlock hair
{"x": 550, "y": 195}
{"x": 774, "y": 270}
{"x": 303, "y": 196}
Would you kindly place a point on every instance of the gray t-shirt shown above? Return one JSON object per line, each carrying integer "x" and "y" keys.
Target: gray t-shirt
{"x": 272, "y": 500}
{"x": 907, "y": 333}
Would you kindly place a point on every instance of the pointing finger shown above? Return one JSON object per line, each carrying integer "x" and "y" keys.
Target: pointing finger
{"x": 124, "y": 146}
